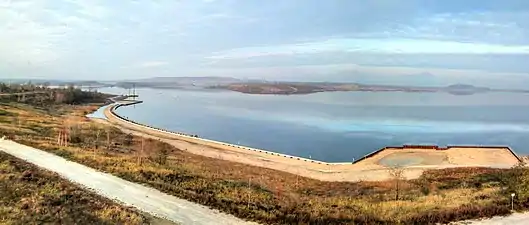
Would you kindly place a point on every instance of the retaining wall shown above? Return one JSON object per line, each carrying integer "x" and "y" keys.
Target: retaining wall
{"x": 217, "y": 144}
{"x": 197, "y": 140}
{"x": 436, "y": 148}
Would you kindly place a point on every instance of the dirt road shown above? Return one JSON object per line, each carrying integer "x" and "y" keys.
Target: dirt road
{"x": 145, "y": 199}
{"x": 514, "y": 219}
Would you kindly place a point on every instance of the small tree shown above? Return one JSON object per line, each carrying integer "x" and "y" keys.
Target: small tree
{"x": 140, "y": 152}
{"x": 516, "y": 180}
{"x": 108, "y": 138}
{"x": 76, "y": 135}
{"x": 128, "y": 140}
{"x": 98, "y": 133}
{"x": 397, "y": 174}
{"x": 161, "y": 153}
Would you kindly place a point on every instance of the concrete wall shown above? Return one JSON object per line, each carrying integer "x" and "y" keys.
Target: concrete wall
{"x": 438, "y": 148}
{"x": 218, "y": 144}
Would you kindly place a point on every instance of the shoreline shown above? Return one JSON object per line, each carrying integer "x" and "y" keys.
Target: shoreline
{"x": 371, "y": 154}
{"x": 198, "y": 140}
{"x": 368, "y": 168}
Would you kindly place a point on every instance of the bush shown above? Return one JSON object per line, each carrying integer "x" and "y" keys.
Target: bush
{"x": 464, "y": 212}
{"x": 516, "y": 180}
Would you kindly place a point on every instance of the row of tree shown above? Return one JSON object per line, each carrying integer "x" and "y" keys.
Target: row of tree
{"x": 44, "y": 95}
{"x": 20, "y": 88}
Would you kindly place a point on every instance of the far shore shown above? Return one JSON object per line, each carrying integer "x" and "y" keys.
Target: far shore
{"x": 369, "y": 168}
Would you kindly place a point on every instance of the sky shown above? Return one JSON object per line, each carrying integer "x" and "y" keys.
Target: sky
{"x": 422, "y": 42}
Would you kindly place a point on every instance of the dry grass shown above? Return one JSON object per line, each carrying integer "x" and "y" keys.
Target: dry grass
{"x": 31, "y": 195}
{"x": 265, "y": 195}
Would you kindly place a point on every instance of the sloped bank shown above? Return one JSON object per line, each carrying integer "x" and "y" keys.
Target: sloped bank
{"x": 213, "y": 143}
{"x": 365, "y": 168}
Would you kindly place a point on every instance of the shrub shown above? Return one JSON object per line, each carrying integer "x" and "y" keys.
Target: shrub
{"x": 516, "y": 180}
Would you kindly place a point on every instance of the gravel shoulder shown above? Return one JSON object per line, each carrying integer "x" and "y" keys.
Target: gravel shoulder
{"x": 145, "y": 199}
{"x": 514, "y": 219}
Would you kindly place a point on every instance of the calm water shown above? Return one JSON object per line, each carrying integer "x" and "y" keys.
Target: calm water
{"x": 338, "y": 126}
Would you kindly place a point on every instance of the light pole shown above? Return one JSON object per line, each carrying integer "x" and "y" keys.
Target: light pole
{"x": 512, "y": 201}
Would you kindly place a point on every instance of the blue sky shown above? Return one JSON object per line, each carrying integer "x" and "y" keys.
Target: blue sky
{"x": 384, "y": 41}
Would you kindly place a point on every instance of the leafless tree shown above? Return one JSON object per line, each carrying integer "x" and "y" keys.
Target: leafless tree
{"x": 161, "y": 153}
{"x": 98, "y": 133}
{"x": 141, "y": 151}
{"x": 397, "y": 174}
{"x": 108, "y": 138}
{"x": 249, "y": 191}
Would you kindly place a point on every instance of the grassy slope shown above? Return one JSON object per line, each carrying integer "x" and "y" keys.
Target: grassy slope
{"x": 272, "y": 197}
{"x": 30, "y": 195}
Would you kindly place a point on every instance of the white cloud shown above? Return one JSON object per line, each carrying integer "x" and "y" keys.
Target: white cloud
{"x": 329, "y": 69}
{"x": 389, "y": 46}
{"x": 489, "y": 27}
{"x": 35, "y": 32}
{"x": 446, "y": 33}
{"x": 91, "y": 8}
{"x": 81, "y": 35}
{"x": 152, "y": 64}
{"x": 24, "y": 39}
{"x": 76, "y": 33}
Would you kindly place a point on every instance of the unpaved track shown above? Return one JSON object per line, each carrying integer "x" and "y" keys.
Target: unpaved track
{"x": 145, "y": 199}
{"x": 514, "y": 219}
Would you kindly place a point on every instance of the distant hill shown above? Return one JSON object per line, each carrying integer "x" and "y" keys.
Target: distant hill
{"x": 188, "y": 79}
{"x": 289, "y": 88}
{"x": 292, "y": 87}
{"x": 178, "y": 82}
{"x": 465, "y": 89}
{"x": 262, "y": 86}
{"x": 460, "y": 86}
{"x": 53, "y": 82}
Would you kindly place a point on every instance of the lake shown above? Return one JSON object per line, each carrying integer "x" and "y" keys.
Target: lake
{"x": 337, "y": 126}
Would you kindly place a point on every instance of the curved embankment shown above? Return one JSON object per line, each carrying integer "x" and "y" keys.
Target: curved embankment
{"x": 366, "y": 168}
{"x": 197, "y": 140}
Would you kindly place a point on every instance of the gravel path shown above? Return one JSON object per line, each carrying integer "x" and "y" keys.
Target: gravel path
{"x": 145, "y": 199}
{"x": 514, "y": 219}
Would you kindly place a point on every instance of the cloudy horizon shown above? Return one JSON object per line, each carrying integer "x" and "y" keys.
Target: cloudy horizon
{"x": 415, "y": 42}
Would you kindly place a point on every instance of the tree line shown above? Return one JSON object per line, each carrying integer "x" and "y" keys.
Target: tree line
{"x": 43, "y": 94}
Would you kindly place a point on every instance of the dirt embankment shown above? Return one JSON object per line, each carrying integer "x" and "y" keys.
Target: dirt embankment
{"x": 371, "y": 168}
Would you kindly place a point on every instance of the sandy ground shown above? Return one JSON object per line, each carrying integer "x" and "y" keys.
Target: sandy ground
{"x": 370, "y": 169}
{"x": 145, "y": 199}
